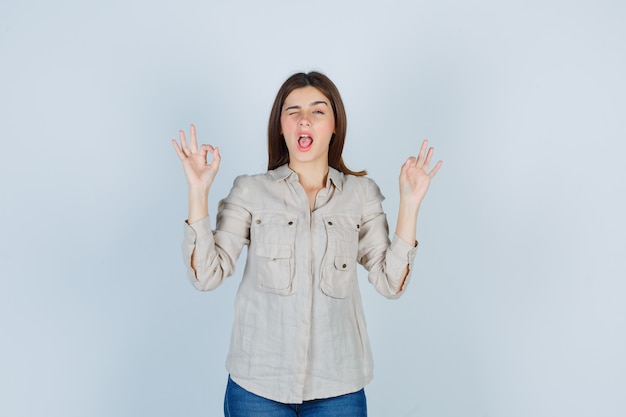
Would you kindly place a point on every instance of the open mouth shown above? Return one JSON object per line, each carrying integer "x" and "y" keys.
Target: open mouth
{"x": 305, "y": 142}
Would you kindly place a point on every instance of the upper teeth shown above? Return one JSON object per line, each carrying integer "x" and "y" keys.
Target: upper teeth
{"x": 304, "y": 136}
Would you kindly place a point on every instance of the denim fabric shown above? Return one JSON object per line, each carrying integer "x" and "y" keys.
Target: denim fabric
{"x": 241, "y": 403}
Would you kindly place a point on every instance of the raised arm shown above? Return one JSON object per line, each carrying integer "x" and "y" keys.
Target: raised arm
{"x": 199, "y": 173}
{"x": 414, "y": 182}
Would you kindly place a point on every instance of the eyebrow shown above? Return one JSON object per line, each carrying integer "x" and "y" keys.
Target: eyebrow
{"x": 315, "y": 103}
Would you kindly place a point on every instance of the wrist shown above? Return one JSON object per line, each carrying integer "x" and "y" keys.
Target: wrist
{"x": 198, "y": 200}
{"x": 409, "y": 207}
{"x": 198, "y": 194}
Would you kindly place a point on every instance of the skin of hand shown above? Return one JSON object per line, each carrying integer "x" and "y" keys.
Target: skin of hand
{"x": 198, "y": 172}
{"x": 415, "y": 177}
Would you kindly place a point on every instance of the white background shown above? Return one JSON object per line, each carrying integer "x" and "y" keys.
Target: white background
{"x": 516, "y": 304}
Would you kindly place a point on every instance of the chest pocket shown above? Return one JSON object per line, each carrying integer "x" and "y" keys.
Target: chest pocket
{"x": 339, "y": 264}
{"x": 274, "y": 236}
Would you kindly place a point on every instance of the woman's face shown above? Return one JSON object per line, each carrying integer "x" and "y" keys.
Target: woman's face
{"x": 307, "y": 124}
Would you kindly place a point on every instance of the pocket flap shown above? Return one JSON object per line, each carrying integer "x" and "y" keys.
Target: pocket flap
{"x": 343, "y": 263}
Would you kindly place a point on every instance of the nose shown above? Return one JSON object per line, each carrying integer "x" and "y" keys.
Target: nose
{"x": 304, "y": 121}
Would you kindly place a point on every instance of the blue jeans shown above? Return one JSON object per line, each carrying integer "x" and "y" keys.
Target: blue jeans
{"x": 239, "y": 402}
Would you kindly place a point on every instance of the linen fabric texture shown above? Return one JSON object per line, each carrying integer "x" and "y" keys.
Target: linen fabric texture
{"x": 299, "y": 331}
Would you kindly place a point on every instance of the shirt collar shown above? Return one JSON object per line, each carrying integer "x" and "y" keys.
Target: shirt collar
{"x": 283, "y": 172}
{"x": 336, "y": 177}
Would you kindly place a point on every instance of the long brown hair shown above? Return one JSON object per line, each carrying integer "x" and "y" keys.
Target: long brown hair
{"x": 277, "y": 152}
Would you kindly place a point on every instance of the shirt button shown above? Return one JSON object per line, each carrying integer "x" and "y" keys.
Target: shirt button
{"x": 258, "y": 221}
{"x": 344, "y": 266}
{"x": 330, "y": 223}
{"x": 290, "y": 223}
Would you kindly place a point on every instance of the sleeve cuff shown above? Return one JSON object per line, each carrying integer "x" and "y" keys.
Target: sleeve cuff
{"x": 198, "y": 229}
{"x": 403, "y": 249}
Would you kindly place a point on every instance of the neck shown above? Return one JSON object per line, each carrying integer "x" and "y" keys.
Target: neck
{"x": 311, "y": 176}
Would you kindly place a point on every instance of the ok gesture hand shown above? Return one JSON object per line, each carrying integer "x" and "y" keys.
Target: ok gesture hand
{"x": 199, "y": 173}
{"x": 415, "y": 177}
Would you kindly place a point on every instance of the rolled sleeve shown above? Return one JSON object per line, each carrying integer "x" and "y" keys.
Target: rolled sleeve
{"x": 402, "y": 255}
{"x": 198, "y": 248}
{"x": 402, "y": 250}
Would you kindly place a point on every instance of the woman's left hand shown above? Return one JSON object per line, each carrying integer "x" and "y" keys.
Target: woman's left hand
{"x": 415, "y": 177}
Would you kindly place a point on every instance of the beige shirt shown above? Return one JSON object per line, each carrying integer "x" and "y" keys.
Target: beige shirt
{"x": 299, "y": 331}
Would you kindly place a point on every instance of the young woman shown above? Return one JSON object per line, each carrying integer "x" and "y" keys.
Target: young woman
{"x": 299, "y": 344}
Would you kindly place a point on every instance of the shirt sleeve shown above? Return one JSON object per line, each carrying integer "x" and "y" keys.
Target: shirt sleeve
{"x": 386, "y": 261}
{"x": 210, "y": 256}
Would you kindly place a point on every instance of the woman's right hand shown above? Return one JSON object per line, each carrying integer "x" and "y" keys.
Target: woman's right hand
{"x": 199, "y": 173}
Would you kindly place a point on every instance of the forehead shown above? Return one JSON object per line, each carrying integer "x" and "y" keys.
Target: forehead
{"x": 305, "y": 96}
